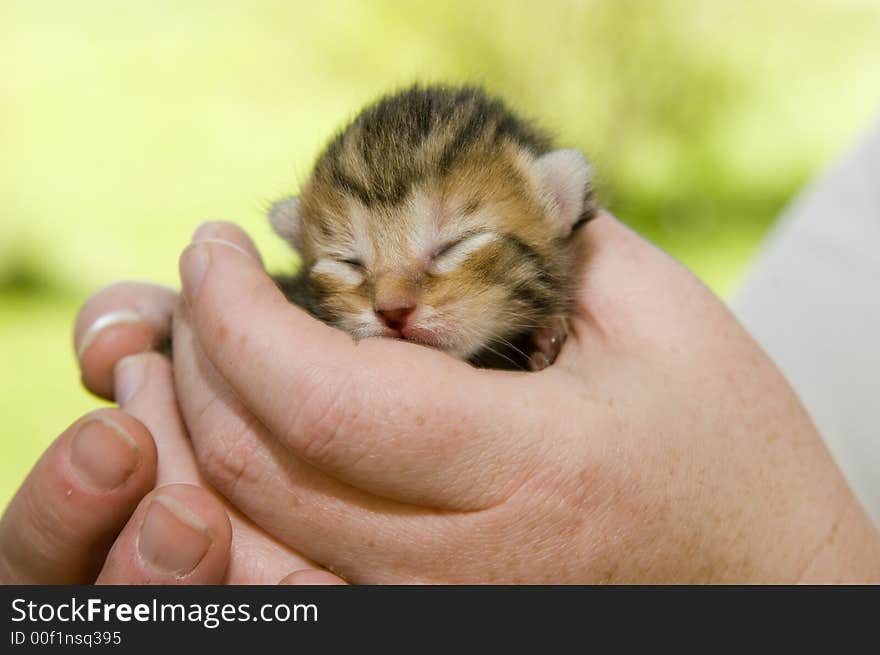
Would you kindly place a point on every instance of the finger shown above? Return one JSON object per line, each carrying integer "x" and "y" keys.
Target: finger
{"x": 179, "y": 534}
{"x": 61, "y": 523}
{"x": 312, "y": 577}
{"x": 257, "y": 557}
{"x": 387, "y": 416}
{"x": 119, "y": 320}
{"x": 227, "y": 234}
{"x": 145, "y": 389}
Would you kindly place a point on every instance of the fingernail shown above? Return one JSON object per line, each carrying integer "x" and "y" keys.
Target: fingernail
{"x": 193, "y": 266}
{"x": 102, "y": 323}
{"x": 204, "y": 230}
{"x": 224, "y": 233}
{"x": 173, "y": 539}
{"x": 305, "y": 577}
{"x": 102, "y": 454}
{"x": 211, "y": 230}
{"x": 225, "y": 244}
{"x": 128, "y": 376}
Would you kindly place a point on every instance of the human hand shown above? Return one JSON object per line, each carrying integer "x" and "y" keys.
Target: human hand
{"x": 62, "y": 526}
{"x": 663, "y": 445}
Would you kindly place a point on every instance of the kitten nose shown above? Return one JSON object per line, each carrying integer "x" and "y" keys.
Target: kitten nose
{"x": 395, "y": 318}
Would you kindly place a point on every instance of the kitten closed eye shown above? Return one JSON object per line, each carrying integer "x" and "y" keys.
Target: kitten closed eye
{"x": 446, "y": 247}
{"x": 453, "y": 253}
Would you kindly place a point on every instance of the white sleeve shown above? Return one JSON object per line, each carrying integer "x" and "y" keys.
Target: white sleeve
{"x": 812, "y": 300}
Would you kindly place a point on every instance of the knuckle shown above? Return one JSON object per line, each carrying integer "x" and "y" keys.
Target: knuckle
{"x": 227, "y": 459}
{"x": 325, "y": 425}
{"x": 318, "y": 427}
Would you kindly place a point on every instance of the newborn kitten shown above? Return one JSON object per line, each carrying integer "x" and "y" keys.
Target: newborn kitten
{"x": 441, "y": 217}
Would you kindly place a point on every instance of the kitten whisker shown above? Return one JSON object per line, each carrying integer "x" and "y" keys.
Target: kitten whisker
{"x": 507, "y": 343}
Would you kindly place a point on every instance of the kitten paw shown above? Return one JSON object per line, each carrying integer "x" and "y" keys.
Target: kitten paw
{"x": 548, "y": 343}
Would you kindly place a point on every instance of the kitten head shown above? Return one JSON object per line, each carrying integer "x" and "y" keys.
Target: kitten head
{"x": 439, "y": 217}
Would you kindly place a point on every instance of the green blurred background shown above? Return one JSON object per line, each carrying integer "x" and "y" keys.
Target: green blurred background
{"x": 123, "y": 124}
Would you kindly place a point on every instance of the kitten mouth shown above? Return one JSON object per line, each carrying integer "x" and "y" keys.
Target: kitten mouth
{"x": 425, "y": 337}
{"x": 421, "y": 336}
{"x": 425, "y": 341}
{"x": 414, "y": 335}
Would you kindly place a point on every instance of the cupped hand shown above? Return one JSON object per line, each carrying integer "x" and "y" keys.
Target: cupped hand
{"x": 662, "y": 446}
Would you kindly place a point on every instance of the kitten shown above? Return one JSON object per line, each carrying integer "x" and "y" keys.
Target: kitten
{"x": 441, "y": 217}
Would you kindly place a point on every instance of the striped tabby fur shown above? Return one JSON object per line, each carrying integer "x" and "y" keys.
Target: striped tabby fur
{"x": 440, "y": 200}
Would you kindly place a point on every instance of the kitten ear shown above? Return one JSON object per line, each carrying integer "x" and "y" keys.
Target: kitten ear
{"x": 285, "y": 218}
{"x": 564, "y": 178}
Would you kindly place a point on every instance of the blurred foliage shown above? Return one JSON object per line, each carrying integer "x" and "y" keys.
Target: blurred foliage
{"x": 122, "y": 124}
